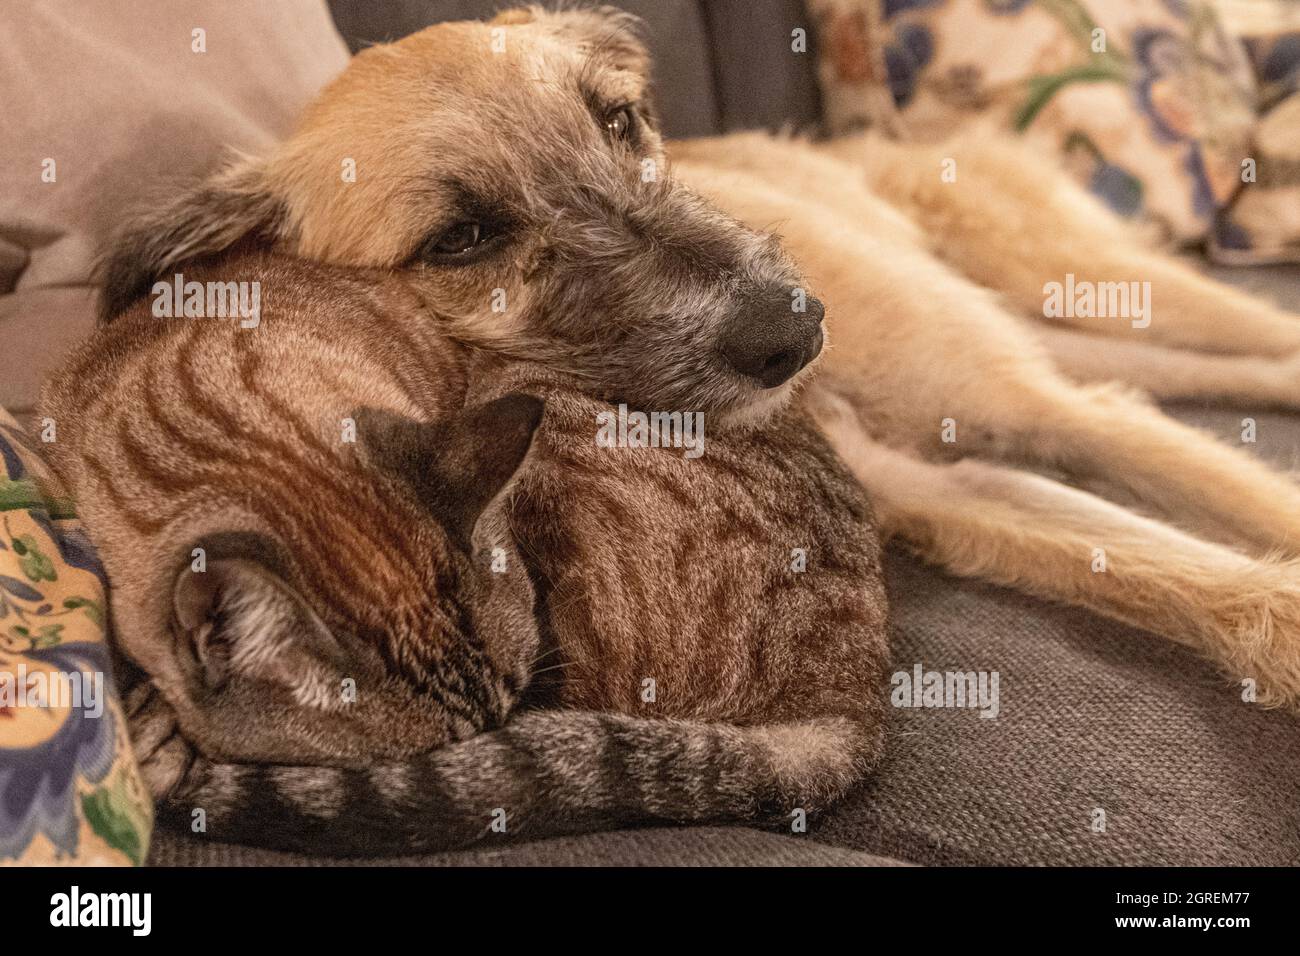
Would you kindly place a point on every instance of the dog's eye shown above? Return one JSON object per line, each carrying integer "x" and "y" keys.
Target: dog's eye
{"x": 620, "y": 124}
{"x": 466, "y": 241}
{"x": 460, "y": 238}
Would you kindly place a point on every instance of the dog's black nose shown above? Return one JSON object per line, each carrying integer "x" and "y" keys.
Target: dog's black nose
{"x": 769, "y": 341}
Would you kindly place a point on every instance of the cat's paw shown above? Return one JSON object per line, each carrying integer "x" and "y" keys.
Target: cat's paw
{"x": 162, "y": 754}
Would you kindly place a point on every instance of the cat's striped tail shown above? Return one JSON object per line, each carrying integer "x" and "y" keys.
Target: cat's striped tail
{"x": 548, "y": 772}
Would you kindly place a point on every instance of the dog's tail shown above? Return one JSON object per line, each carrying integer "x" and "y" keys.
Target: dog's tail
{"x": 546, "y": 773}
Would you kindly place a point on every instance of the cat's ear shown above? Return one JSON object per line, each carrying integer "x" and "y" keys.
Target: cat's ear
{"x": 457, "y": 465}
{"x": 260, "y": 677}
{"x": 237, "y": 620}
{"x": 211, "y": 217}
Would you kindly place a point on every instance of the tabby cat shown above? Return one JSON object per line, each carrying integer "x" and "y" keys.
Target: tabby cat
{"x": 379, "y": 607}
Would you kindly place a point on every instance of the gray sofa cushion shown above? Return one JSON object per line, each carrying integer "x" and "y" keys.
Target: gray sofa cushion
{"x": 1094, "y": 714}
{"x": 703, "y": 846}
{"x": 760, "y": 81}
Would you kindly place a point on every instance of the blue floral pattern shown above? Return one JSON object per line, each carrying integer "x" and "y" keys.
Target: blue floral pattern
{"x": 69, "y": 789}
{"x": 1156, "y": 91}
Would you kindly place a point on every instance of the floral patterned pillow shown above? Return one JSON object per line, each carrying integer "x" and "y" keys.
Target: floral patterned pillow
{"x": 1149, "y": 102}
{"x": 1262, "y": 223}
{"x": 70, "y": 792}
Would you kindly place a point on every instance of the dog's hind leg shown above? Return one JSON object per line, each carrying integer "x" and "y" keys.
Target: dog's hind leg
{"x": 1105, "y": 435}
{"x": 1169, "y": 373}
{"x": 1028, "y": 532}
{"x": 1014, "y": 222}
{"x": 917, "y": 344}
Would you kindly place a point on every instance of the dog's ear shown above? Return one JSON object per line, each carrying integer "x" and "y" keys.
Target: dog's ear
{"x": 514, "y": 17}
{"x": 213, "y": 216}
{"x": 615, "y": 37}
{"x": 613, "y": 33}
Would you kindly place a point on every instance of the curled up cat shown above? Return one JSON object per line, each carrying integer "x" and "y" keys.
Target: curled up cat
{"x": 390, "y": 595}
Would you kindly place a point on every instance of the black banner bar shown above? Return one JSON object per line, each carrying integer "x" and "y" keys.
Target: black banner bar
{"x": 333, "y": 905}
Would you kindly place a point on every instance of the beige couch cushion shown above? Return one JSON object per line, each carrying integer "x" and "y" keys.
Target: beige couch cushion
{"x": 122, "y": 102}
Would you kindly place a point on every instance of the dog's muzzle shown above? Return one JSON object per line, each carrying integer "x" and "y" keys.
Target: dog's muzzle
{"x": 769, "y": 342}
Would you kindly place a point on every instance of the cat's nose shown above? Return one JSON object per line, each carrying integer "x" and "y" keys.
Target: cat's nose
{"x": 772, "y": 339}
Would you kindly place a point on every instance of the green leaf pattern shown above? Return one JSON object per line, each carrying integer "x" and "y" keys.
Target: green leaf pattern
{"x": 23, "y": 609}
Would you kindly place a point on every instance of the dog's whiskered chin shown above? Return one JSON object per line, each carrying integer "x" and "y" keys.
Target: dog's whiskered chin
{"x": 755, "y": 409}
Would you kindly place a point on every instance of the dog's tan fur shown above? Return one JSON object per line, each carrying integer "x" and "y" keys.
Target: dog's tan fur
{"x": 934, "y": 294}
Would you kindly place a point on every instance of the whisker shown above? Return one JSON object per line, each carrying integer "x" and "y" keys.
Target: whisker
{"x": 542, "y": 656}
{"x": 554, "y": 667}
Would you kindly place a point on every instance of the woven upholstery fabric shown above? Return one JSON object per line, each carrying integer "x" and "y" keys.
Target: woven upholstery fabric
{"x": 1149, "y": 103}
{"x": 1093, "y": 715}
{"x": 70, "y": 791}
{"x": 661, "y": 846}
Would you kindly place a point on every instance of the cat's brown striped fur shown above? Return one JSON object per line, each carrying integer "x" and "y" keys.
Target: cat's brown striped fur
{"x": 333, "y": 561}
